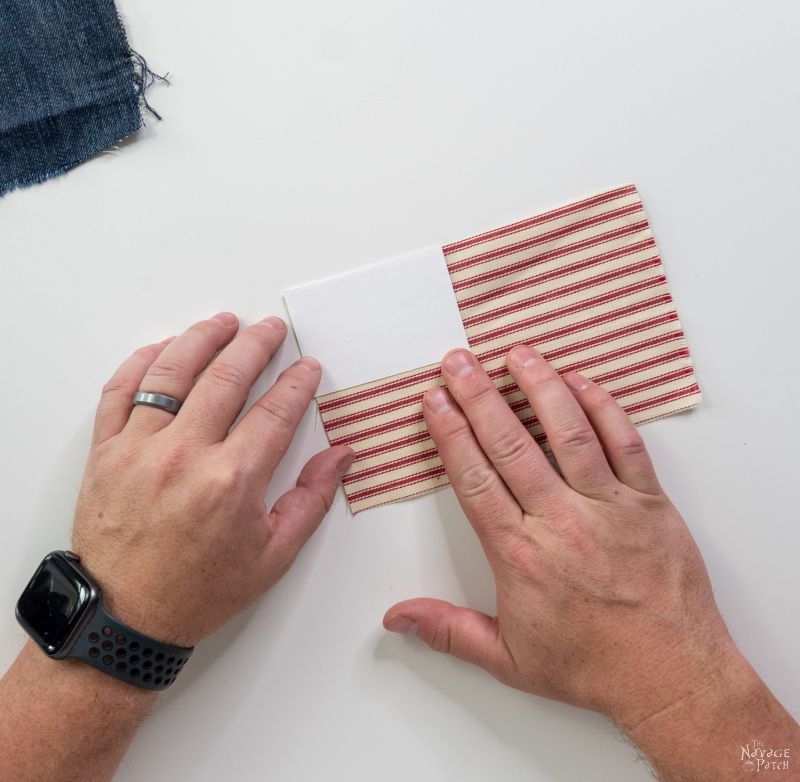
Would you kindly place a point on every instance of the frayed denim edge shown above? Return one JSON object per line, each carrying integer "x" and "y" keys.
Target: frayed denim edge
{"x": 143, "y": 79}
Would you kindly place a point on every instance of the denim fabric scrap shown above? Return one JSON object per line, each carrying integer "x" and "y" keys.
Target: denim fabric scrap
{"x": 70, "y": 86}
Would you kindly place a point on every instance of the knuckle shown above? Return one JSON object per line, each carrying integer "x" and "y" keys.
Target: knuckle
{"x": 520, "y": 555}
{"x": 226, "y": 375}
{"x": 440, "y": 638}
{"x": 478, "y": 390}
{"x": 226, "y": 480}
{"x": 603, "y": 400}
{"x": 146, "y": 352}
{"x": 575, "y": 435}
{"x": 167, "y": 367}
{"x": 454, "y": 428}
{"x": 631, "y": 445}
{"x": 277, "y": 411}
{"x": 546, "y": 377}
{"x": 171, "y": 460}
{"x": 569, "y": 530}
{"x": 477, "y": 481}
{"x": 510, "y": 447}
{"x": 296, "y": 379}
{"x": 116, "y": 385}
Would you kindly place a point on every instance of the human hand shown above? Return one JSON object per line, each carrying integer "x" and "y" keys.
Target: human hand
{"x": 603, "y": 599}
{"x": 171, "y": 519}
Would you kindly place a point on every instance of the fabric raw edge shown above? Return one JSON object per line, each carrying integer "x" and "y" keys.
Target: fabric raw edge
{"x": 142, "y": 79}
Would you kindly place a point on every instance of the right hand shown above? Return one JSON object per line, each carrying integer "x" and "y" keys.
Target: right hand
{"x": 603, "y": 599}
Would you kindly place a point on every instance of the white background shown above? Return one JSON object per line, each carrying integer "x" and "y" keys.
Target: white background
{"x": 303, "y": 139}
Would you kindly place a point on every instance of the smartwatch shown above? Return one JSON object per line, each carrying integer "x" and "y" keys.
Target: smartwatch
{"x": 62, "y": 610}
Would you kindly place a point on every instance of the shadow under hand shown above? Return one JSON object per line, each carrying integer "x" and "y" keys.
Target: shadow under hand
{"x": 563, "y": 742}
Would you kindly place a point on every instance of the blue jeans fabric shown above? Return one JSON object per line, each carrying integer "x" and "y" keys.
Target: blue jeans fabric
{"x": 68, "y": 86}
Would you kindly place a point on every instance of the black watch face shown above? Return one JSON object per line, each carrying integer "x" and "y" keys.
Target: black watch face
{"x": 54, "y": 602}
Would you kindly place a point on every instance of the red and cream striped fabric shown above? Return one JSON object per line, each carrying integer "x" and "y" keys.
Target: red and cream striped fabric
{"x": 584, "y": 284}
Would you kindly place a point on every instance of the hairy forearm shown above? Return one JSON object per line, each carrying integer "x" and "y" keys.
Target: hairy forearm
{"x": 62, "y": 720}
{"x": 717, "y": 732}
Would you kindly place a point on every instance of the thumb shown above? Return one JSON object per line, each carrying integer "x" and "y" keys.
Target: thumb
{"x": 461, "y": 632}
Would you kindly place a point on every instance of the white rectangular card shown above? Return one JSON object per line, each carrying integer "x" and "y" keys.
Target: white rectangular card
{"x": 377, "y": 321}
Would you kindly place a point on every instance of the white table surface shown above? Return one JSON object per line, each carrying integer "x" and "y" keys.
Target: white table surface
{"x": 304, "y": 139}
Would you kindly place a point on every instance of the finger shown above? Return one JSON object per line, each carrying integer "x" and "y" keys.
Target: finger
{"x": 485, "y": 499}
{"x": 511, "y": 449}
{"x": 298, "y": 513}
{"x": 575, "y": 445}
{"x": 622, "y": 443}
{"x": 220, "y": 393}
{"x": 174, "y": 371}
{"x": 461, "y": 632}
{"x": 263, "y": 435}
{"x": 116, "y": 401}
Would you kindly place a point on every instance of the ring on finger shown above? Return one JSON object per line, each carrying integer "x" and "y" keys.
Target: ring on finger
{"x": 153, "y": 399}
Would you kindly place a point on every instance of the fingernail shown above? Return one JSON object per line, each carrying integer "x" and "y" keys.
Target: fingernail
{"x": 437, "y": 400}
{"x": 225, "y": 318}
{"x": 404, "y": 624}
{"x": 273, "y": 322}
{"x": 344, "y": 463}
{"x": 311, "y": 364}
{"x": 523, "y": 356}
{"x": 575, "y": 381}
{"x": 459, "y": 362}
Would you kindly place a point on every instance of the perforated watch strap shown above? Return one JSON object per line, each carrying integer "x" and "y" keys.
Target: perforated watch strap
{"x": 120, "y": 651}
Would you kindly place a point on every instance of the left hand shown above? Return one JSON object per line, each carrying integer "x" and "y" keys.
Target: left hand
{"x": 171, "y": 520}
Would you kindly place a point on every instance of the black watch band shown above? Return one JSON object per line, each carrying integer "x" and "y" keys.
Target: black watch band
{"x": 62, "y": 609}
{"x": 120, "y": 651}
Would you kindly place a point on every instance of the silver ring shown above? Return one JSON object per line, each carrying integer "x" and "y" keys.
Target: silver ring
{"x": 161, "y": 401}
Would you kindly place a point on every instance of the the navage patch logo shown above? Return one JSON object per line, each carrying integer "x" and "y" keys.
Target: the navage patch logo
{"x": 756, "y": 756}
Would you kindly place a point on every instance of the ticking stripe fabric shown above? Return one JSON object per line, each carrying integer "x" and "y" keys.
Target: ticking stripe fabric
{"x": 584, "y": 284}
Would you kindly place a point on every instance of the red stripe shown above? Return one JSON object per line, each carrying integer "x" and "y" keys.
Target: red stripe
{"x": 429, "y": 374}
{"x": 550, "y": 236}
{"x": 545, "y": 217}
{"x": 540, "y": 438}
{"x": 575, "y": 367}
{"x": 374, "y": 412}
{"x": 566, "y": 350}
{"x": 376, "y": 430}
{"x": 377, "y": 450}
{"x": 645, "y": 404}
{"x": 642, "y": 365}
{"x": 594, "y": 301}
{"x": 605, "y": 317}
{"x": 394, "y": 385}
{"x": 398, "y": 484}
{"x": 565, "y": 290}
{"x": 602, "y": 358}
{"x": 634, "y": 328}
{"x": 336, "y": 423}
{"x": 619, "y": 393}
{"x": 550, "y": 255}
{"x": 562, "y": 271}
{"x": 630, "y": 369}
{"x": 662, "y": 400}
{"x": 386, "y": 466}
{"x": 627, "y": 350}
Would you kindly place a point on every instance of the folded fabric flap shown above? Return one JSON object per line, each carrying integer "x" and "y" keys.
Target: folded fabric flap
{"x": 583, "y": 283}
{"x": 70, "y": 86}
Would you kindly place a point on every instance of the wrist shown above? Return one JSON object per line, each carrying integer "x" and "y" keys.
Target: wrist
{"x": 136, "y": 597}
{"x": 704, "y": 734}
{"x": 66, "y": 676}
{"x": 718, "y": 688}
